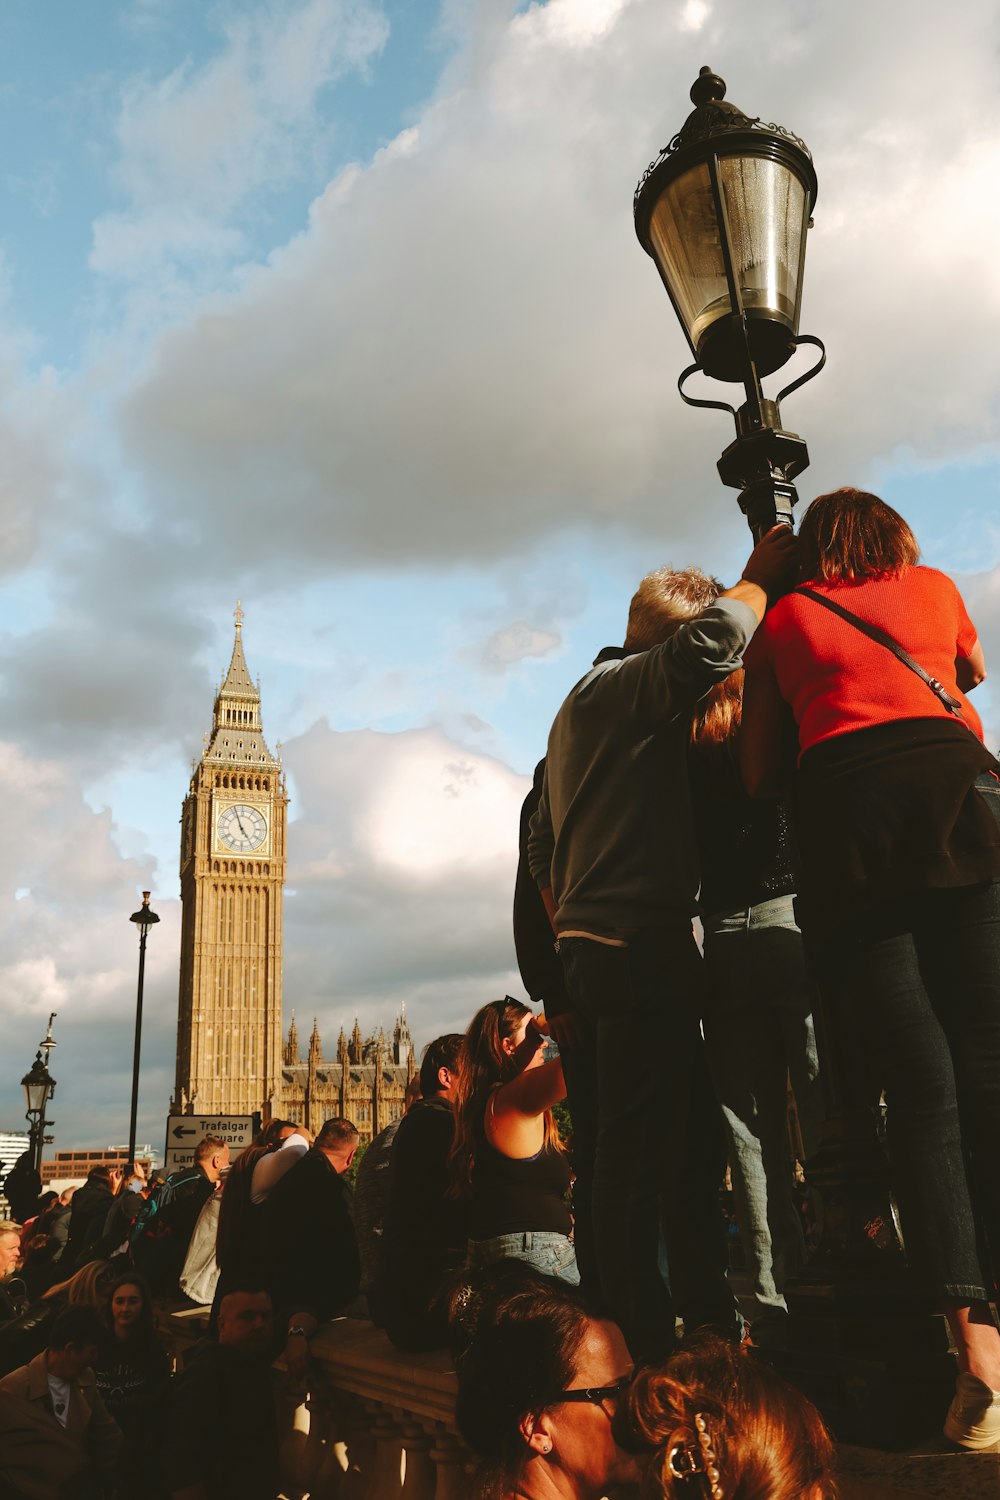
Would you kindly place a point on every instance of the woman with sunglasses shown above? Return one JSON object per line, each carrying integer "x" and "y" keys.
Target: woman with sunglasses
{"x": 539, "y": 1381}
{"x": 507, "y": 1161}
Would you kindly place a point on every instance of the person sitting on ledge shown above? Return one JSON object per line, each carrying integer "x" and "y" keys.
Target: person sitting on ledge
{"x": 716, "y": 1423}
{"x": 426, "y": 1229}
{"x": 223, "y": 1440}
{"x": 310, "y": 1251}
{"x": 539, "y": 1381}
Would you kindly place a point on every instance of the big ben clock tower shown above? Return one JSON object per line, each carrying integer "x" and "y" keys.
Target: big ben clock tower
{"x": 232, "y": 871}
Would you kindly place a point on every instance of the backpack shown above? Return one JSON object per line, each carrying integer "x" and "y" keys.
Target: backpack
{"x": 150, "y": 1239}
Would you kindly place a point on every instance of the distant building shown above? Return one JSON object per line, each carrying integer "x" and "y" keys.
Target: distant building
{"x": 366, "y": 1083}
{"x": 74, "y": 1166}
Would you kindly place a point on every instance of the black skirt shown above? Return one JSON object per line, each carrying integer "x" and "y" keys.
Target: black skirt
{"x": 889, "y": 810}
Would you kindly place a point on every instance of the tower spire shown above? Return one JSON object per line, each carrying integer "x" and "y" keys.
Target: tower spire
{"x": 236, "y": 728}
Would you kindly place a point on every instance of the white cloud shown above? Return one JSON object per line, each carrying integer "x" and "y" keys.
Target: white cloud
{"x": 403, "y": 849}
{"x": 195, "y": 144}
{"x": 468, "y": 349}
{"x": 514, "y": 643}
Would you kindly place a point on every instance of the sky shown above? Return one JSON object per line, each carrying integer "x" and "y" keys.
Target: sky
{"x": 336, "y": 308}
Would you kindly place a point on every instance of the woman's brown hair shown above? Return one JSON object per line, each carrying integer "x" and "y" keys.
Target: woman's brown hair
{"x": 485, "y": 1063}
{"x": 518, "y": 1337}
{"x": 853, "y": 534}
{"x": 767, "y": 1440}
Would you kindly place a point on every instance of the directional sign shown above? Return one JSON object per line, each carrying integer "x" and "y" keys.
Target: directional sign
{"x": 185, "y": 1131}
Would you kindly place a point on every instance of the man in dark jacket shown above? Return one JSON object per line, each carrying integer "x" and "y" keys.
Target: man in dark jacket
{"x": 88, "y": 1211}
{"x": 425, "y": 1234}
{"x": 164, "y": 1225}
{"x": 310, "y": 1249}
{"x": 613, "y": 851}
{"x": 223, "y": 1442}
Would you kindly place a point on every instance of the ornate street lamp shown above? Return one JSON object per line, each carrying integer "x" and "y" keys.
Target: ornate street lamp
{"x": 39, "y": 1087}
{"x": 724, "y": 211}
{"x": 144, "y": 919}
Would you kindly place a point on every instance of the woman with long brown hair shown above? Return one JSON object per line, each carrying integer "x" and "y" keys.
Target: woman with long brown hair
{"x": 251, "y": 1179}
{"x": 870, "y": 660}
{"x": 507, "y": 1159}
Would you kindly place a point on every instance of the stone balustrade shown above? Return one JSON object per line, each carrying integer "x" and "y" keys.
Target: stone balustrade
{"x": 381, "y": 1424}
{"x": 370, "y": 1423}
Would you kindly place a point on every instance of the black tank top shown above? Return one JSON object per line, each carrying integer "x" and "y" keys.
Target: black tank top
{"x": 512, "y": 1195}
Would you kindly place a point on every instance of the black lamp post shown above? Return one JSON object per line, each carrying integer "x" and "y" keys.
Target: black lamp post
{"x": 39, "y": 1087}
{"x": 144, "y": 919}
{"x": 724, "y": 211}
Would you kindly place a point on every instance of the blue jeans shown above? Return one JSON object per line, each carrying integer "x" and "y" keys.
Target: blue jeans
{"x": 648, "y": 1140}
{"x": 552, "y": 1254}
{"x": 759, "y": 1032}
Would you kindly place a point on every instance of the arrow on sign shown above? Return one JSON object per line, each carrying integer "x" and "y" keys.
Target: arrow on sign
{"x": 181, "y": 1130}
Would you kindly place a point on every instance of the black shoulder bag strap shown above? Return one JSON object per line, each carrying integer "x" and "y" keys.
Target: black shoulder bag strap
{"x": 891, "y": 644}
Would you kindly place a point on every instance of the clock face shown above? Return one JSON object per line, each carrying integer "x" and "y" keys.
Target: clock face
{"x": 242, "y": 828}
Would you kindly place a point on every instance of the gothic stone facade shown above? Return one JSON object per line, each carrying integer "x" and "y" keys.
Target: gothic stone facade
{"x": 366, "y": 1084}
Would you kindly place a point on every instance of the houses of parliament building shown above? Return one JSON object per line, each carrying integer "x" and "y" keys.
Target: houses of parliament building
{"x": 232, "y": 1059}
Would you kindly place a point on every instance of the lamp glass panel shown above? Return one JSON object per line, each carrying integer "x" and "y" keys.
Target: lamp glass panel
{"x": 684, "y": 235}
{"x": 766, "y": 208}
{"x": 36, "y": 1094}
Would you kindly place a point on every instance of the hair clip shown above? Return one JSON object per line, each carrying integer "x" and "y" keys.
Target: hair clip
{"x": 684, "y": 1462}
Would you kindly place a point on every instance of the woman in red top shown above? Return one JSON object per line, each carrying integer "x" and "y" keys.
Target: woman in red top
{"x": 900, "y": 901}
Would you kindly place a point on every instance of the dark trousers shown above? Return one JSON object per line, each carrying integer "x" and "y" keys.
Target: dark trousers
{"x": 918, "y": 983}
{"x": 648, "y": 1139}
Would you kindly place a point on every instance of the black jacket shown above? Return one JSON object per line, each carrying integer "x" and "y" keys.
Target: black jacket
{"x": 425, "y": 1231}
{"x": 310, "y": 1250}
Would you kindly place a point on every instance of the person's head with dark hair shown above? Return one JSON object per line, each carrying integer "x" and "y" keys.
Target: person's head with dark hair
{"x": 246, "y": 1319}
{"x": 338, "y": 1141}
{"x": 273, "y": 1133}
{"x": 716, "y": 1407}
{"x": 73, "y": 1341}
{"x": 441, "y": 1064}
{"x": 106, "y": 1173}
{"x": 130, "y": 1308}
{"x": 539, "y": 1381}
{"x": 211, "y": 1156}
{"x": 850, "y": 534}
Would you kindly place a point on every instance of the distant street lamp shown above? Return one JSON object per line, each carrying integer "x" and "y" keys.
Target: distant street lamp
{"x": 39, "y": 1087}
{"x": 724, "y": 211}
{"x": 144, "y": 918}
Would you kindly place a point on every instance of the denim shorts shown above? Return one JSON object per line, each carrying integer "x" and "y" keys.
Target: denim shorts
{"x": 552, "y": 1254}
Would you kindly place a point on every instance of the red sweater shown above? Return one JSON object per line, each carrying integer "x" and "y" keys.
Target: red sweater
{"x": 836, "y": 679}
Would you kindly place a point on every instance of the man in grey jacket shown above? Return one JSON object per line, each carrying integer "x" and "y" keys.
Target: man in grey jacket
{"x": 612, "y": 849}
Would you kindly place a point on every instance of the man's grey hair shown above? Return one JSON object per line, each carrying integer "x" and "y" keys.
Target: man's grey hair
{"x": 665, "y": 599}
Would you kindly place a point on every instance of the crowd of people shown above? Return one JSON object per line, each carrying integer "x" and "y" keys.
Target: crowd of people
{"x": 794, "y": 763}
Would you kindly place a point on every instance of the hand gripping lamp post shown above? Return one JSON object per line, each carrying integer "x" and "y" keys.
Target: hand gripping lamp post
{"x": 724, "y": 211}
{"x": 144, "y": 919}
